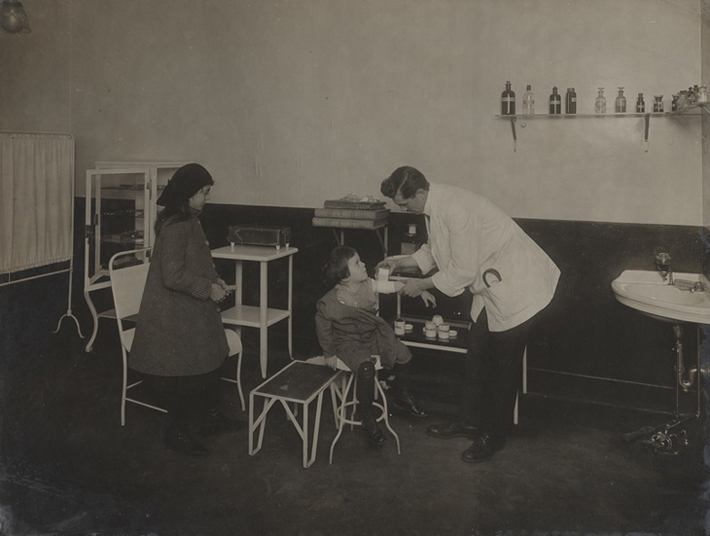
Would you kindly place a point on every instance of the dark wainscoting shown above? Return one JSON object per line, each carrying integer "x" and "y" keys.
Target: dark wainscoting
{"x": 584, "y": 346}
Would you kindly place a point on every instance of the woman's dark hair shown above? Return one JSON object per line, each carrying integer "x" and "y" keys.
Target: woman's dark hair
{"x": 406, "y": 180}
{"x": 185, "y": 182}
{"x": 180, "y": 213}
{"x": 335, "y": 268}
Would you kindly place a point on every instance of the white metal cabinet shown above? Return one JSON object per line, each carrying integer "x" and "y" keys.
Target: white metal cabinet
{"x": 120, "y": 214}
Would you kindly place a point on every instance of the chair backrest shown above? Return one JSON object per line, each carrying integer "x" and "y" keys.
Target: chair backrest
{"x": 128, "y": 283}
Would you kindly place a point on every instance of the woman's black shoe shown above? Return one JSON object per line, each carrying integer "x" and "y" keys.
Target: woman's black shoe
{"x": 482, "y": 449}
{"x": 182, "y": 442}
{"x": 407, "y": 403}
{"x": 447, "y": 430}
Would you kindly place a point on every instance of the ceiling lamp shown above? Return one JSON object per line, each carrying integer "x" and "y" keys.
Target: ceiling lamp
{"x": 13, "y": 18}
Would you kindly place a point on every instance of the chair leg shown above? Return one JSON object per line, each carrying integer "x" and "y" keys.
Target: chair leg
{"x": 124, "y": 388}
{"x": 239, "y": 380}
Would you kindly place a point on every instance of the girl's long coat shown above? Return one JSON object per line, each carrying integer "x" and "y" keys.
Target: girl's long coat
{"x": 179, "y": 330}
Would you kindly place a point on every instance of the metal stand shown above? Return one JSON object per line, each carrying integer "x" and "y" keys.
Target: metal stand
{"x": 669, "y": 438}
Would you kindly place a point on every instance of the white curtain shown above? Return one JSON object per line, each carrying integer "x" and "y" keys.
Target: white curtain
{"x": 36, "y": 200}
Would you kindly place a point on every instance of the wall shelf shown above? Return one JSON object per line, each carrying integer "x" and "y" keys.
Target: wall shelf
{"x": 693, "y": 110}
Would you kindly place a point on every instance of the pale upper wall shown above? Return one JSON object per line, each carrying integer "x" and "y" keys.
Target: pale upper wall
{"x": 289, "y": 103}
{"x": 705, "y": 63}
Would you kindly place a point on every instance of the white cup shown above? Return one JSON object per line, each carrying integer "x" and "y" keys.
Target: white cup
{"x": 443, "y": 332}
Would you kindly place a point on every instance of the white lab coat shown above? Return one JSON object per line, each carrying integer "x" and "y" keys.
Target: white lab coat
{"x": 469, "y": 235}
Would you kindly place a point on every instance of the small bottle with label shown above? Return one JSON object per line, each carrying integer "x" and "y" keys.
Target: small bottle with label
{"x": 600, "y": 102}
{"x": 555, "y": 102}
{"x": 620, "y": 103}
{"x": 640, "y": 104}
{"x": 528, "y": 101}
{"x": 571, "y": 101}
{"x": 410, "y": 242}
{"x": 507, "y": 101}
{"x": 674, "y": 103}
{"x": 658, "y": 103}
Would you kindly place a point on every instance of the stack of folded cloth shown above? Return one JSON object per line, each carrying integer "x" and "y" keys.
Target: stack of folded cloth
{"x": 352, "y": 212}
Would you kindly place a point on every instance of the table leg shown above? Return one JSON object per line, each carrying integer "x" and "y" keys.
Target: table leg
{"x": 305, "y": 435}
{"x": 238, "y": 270}
{"x": 263, "y": 314}
{"x": 316, "y": 429}
{"x": 290, "y": 306}
{"x": 258, "y": 425}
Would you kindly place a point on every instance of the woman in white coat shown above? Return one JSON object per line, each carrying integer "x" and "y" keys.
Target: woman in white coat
{"x": 476, "y": 246}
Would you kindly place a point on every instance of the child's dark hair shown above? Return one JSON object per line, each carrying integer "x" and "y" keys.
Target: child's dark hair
{"x": 335, "y": 268}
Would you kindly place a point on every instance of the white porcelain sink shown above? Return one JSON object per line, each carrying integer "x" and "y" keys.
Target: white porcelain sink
{"x": 645, "y": 291}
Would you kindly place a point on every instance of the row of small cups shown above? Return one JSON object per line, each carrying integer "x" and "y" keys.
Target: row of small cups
{"x": 436, "y": 327}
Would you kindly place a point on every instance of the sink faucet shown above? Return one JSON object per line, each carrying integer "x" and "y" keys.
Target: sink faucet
{"x": 663, "y": 265}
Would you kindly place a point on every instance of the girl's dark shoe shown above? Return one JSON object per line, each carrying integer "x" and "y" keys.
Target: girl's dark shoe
{"x": 182, "y": 442}
{"x": 372, "y": 431}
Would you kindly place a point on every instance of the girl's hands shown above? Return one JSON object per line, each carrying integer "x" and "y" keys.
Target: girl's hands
{"x": 218, "y": 293}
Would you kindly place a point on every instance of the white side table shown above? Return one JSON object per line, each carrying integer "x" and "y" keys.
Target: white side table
{"x": 261, "y": 316}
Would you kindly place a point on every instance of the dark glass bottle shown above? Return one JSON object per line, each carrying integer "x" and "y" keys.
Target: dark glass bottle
{"x": 507, "y": 101}
{"x": 555, "y": 102}
{"x": 640, "y": 104}
{"x": 570, "y": 101}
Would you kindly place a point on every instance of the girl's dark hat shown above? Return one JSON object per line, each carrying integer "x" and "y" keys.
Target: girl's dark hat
{"x": 186, "y": 182}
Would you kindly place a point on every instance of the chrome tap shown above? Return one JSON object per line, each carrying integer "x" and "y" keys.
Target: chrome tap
{"x": 663, "y": 265}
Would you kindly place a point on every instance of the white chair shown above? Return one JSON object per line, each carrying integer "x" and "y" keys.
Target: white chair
{"x": 127, "y": 285}
{"x": 344, "y": 398}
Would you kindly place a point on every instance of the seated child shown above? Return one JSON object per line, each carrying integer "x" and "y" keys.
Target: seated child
{"x": 348, "y": 327}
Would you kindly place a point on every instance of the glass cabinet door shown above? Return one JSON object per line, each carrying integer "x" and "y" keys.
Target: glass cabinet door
{"x": 118, "y": 208}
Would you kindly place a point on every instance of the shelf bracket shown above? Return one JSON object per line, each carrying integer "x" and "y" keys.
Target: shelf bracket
{"x": 515, "y": 135}
{"x": 647, "y": 127}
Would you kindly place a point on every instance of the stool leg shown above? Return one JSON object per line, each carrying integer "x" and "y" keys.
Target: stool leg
{"x": 341, "y": 415}
{"x": 385, "y": 414}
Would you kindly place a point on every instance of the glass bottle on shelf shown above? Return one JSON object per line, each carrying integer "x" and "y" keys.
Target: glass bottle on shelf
{"x": 528, "y": 101}
{"x": 555, "y": 102}
{"x": 620, "y": 103}
{"x": 702, "y": 94}
{"x": 658, "y": 103}
{"x": 507, "y": 101}
{"x": 640, "y": 104}
{"x": 600, "y": 102}
{"x": 674, "y": 103}
{"x": 571, "y": 101}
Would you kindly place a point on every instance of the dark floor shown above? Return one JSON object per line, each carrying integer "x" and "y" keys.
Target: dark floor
{"x": 70, "y": 468}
